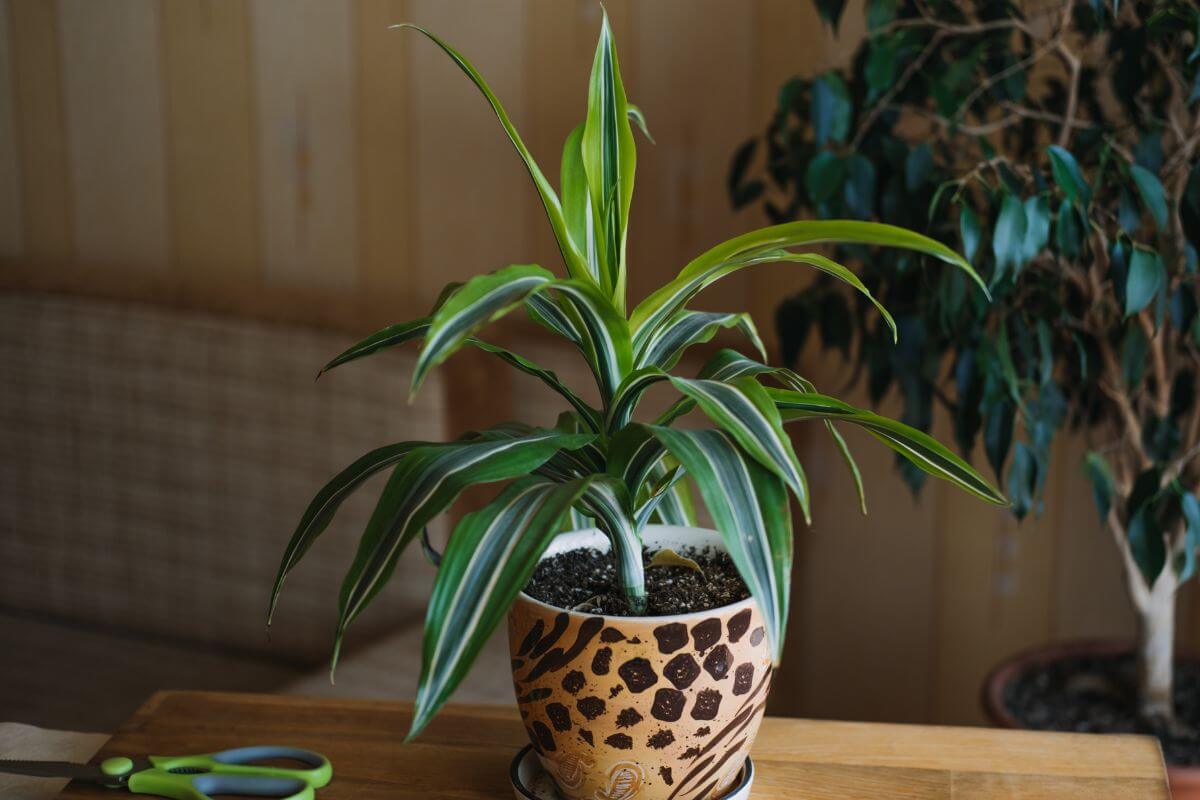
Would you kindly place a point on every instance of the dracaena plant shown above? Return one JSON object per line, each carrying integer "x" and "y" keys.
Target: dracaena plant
{"x": 597, "y": 466}
{"x": 1062, "y": 141}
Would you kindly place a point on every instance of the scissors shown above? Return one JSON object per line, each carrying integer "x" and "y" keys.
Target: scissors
{"x": 198, "y": 777}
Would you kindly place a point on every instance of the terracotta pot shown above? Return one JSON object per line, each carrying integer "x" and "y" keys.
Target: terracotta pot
{"x": 1185, "y": 781}
{"x": 652, "y": 708}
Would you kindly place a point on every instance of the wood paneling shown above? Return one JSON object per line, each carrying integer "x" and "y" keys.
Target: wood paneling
{"x": 10, "y": 181}
{"x": 680, "y": 207}
{"x": 115, "y": 130}
{"x": 305, "y": 93}
{"x": 385, "y": 197}
{"x": 474, "y": 191}
{"x": 40, "y": 130}
{"x": 211, "y": 137}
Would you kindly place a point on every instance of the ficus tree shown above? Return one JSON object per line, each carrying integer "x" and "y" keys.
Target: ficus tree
{"x": 597, "y": 466}
{"x": 1058, "y": 142}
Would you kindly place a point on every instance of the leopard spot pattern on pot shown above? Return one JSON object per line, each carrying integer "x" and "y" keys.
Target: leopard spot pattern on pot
{"x": 639, "y": 708}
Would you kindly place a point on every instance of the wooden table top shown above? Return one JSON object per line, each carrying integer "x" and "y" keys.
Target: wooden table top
{"x": 465, "y": 752}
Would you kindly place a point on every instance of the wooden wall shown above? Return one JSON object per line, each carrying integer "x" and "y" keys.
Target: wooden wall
{"x": 295, "y": 159}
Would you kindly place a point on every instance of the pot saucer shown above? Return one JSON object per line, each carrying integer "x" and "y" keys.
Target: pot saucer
{"x": 530, "y": 781}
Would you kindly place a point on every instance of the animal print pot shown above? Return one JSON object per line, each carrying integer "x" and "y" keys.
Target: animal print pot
{"x": 640, "y": 708}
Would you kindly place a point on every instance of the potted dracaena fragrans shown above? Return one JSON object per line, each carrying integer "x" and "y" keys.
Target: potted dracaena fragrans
{"x": 614, "y": 700}
{"x": 1065, "y": 135}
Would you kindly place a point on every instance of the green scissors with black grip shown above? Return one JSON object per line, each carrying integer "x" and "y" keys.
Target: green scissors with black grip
{"x": 199, "y": 777}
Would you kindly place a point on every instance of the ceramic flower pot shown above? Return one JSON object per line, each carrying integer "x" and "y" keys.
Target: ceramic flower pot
{"x": 652, "y": 708}
{"x": 1185, "y": 781}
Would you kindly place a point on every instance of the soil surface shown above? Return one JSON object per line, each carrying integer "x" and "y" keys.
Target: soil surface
{"x": 1096, "y": 695}
{"x": 585, "y": 580}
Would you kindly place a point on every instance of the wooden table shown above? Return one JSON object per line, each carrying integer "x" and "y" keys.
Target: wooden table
{"x": 465, "y": 752}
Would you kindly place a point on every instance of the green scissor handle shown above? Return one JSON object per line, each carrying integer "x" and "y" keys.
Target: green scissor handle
{"x": 233, "y": 772}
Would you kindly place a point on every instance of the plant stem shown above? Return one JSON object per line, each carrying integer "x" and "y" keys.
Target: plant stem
{"x": 632, "y": 575}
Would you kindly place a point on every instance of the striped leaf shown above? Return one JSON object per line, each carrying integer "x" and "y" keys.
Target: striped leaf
{"x": 740, "y": 251}
{"x": 607, "y": 499}
{"x": 609, "y": 161}
{"x": 918, "y": 447}
{"x": 666, "y": 345}
{"x": 629, "y": 394}
{"x": 574, "y": 261}
{"x": 749, "y": 507}
{"x": 604, "y": 332}
{"x": 321, "y": 510}
{"x": 481, "y": 300}
{"x": 851, "y": 464}
{"x": 743, "y": 409}
{"x": 416, "y": 329}
{"x": 633, "y": 455}
{"x": 423, "y": 485}
{"x": 490, "y": 557}
{"x": 726, "y": 365}
{"x": 676, "y": 506}
{"x": 577, "y": 204}
{"x": 639, "y": 119}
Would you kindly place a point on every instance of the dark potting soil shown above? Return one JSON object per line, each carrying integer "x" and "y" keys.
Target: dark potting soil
{"x": 585, "y": 580}
{"x": 1096, "y": 695}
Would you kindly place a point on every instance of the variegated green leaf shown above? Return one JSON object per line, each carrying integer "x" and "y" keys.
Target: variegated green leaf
{"x": 639, "y": 119}
{"x": 481, "y": 300}
{"x": 577, "y": 204}
{"x": 666, "y": 345}
{"x": 423, "y": 485}
{"x": 725, "y": 365}
{"x": 749, "y": 506}
{"x": 676, "y": 506}
{"x": 416, "y": 329}
{"x": 574, "y": 260}
{"x": 392, "y": 335}
{"x": 743, "y": 409}
{"x": 490, "y": 557}
{"x": 609, "y": 161}
{"x": 321, "y": 510}
{"x": 851, "y": 464}
{"x": 629, "y": 393}
{"x": 741, "y": 250}
{"x": 633, "y": 454}
{"x": 608, "y": 500}
{"x": 918, "y": 447}
{"x": 604, "y": 332}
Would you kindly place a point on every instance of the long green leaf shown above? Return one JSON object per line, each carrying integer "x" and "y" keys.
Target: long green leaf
{"x": 743, "y": 409}
{"x": 918, "y": 447}
{"x": 749, "y": 506}
{"x": 481, "y": 300}
{"x": 423, "y": 485}
{"x": 416, "y": 329}
{"x": 659, "y": 306}
{"x": 609, "y": 160}
{"x": 577, "y": 204}
{"x": 676, "y": 507}
{"x": 490, "y": 557}
{"x": 605, "y": 333}
{"x": 851, "y": 464}
{"x": 321, "y": 510}
{"x": 629, "y": 393}
{"x": 725, "y": 365}
{"x": 667, "y": 344}
{"x": 576, "y": 267}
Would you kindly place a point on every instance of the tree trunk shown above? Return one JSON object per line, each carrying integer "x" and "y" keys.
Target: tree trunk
{"x": 1156, "y": 648}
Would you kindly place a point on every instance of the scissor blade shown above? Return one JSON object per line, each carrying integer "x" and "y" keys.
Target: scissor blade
{"x": 53, "y": 769}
